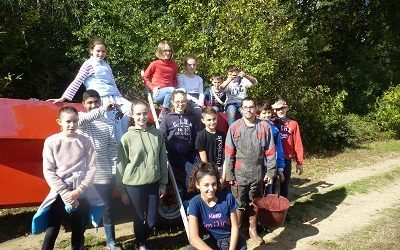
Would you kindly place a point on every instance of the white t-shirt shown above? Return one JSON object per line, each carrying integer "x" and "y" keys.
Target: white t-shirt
{"x": 237, "y": 91}
{"x": 193, "y": 87}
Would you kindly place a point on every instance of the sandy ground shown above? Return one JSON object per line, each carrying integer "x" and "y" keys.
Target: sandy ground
{"x": 349, "y": 214}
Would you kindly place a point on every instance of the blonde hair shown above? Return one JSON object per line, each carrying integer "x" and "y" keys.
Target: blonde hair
{"x": 160, "y": 49}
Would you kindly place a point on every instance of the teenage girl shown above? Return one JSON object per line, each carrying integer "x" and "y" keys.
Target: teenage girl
{"x": 213, "y": 211}
{"x": 179, "y": 129}
{"x": 160, "y": 76}
{"x": 69, "y": 168}
{"x": 142, "y": 172}
{"x": 95, "y": 73}
{"x": 192, "y": 84}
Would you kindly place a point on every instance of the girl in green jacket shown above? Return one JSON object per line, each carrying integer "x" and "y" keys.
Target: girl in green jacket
{"x": 142, "y": 171}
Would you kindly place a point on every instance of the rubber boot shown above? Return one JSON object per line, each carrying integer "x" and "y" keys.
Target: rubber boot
{"x": 253, "y": 230}
{"x": 110, "y": 235}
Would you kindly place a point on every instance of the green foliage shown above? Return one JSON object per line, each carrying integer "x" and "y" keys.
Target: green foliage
{"x": 388, "y": 110}
{"x": 328, "y": 59}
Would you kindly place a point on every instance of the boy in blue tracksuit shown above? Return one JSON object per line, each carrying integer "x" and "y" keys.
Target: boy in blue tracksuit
{"x": 265, "y": 113}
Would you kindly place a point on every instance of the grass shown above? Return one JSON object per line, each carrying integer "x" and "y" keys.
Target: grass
{"x": 380, "y": 234}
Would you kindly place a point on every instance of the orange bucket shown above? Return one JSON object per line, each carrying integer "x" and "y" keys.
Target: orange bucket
{"x": 271, "y": 209}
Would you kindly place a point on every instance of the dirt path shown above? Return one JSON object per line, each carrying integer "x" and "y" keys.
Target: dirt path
{"x": 348, "y": 214}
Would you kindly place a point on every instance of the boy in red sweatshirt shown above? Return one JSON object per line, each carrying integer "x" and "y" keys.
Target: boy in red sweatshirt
{"x": 291, "y": 142}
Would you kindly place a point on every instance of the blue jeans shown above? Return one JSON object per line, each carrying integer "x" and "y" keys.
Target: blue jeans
{"x": 145, "y": 200}
{"x": 164, "y": 96}
{"x": 105, "y": 192}
{"x": 232, "y": 110}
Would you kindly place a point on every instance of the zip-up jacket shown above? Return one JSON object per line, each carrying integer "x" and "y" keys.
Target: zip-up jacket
{"x": 291, "y": 139}
{"x": 247, "y": 150}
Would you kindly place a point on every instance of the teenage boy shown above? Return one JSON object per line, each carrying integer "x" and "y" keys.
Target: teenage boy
{"x": 291, "y": 142}
{"x": 250, "y": 160}
{"x": 265, "y": 114}
{"x": 101, "y": 133}
{"x": 213, "y": 96}
{"x": 210, "y": 142}
{"x": 235, "y": 86}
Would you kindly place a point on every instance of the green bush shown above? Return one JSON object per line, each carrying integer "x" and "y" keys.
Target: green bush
{"x": 387, "y": 111}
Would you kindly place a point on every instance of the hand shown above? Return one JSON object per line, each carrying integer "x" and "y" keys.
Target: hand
{"x": 281, "y": 176}
{"x": 59, "y": 100}
{"x": 299, "y": 169}
{"x": 75, "y": 195}
{"x": 124, "y": 198}
{"x": 110, "y": 106}
{"x": 232, "y": 183}
{"x": 242, "y": 74}
{"x": 75, "y": 204}
{"x": 155, "y": 91}
{"x": 268, "y": 180}
{"x": 161, "y": 192}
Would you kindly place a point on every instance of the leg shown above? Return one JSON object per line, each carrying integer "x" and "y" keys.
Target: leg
{"x": 105, "y": 191}
{"x": 287, "y": 172}
{"x": 56, "y": 213}
{"x": 139, "y": 200}
{"x": 79, "y": 220}
{"x": 231, "y": 112}
{"x": 152, "y": 208}
{"x": 255, "y": 191}
{"x": 163, "y": 96}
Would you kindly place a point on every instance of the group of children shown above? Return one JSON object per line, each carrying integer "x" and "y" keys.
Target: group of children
{"x": 112, "y": 145}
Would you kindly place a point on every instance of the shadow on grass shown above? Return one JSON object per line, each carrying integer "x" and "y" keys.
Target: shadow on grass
{"x": 15, "y": 225}
{"x": 304, "y": 215}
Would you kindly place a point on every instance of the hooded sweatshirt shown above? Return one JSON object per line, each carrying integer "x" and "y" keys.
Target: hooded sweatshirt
{"x": 179, "y": 131}
{"x": 142, "y": 158}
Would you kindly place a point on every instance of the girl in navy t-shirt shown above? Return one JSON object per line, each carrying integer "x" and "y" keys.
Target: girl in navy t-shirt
{"x": 213, "y": 212}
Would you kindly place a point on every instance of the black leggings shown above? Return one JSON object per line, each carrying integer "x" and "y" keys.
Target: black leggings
{"x": 144, "y": 199}
{"x": 78, "y": 219}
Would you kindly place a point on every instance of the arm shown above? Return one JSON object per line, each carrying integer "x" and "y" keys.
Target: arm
{"x": 148, "y": 76}
{"x": 270, "y": 155}
{"x": 225, "y": 84}
{"x": 163, "y": 164}
{"x": 84, "y": 72}
{"x": 298, "y": 148}
{"x": 280, "y": 156}
{"x": 201, "y": 93}
{"x": 230, "y": 151}
{"x": 234, "y": 231}
{"x": 90, "y": 166}
{"x": 122, "y": 161}
{"x": 86, "y": 118}
{"x": 113, "y": 148}
{"x": 194, "y": 236}
{"x": 203, "y": 156}
{"x": 252, "y": 79}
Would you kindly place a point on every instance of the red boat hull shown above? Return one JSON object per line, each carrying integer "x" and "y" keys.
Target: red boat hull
{"x": 24, "y": 125}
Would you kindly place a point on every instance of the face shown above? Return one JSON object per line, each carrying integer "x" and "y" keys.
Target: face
{"x": 281, "y": 112}
{"x": 216, "y": 82}
{"x": 191, "y": 65}
{"x": 99, "y": 52}
{"x": 68, "y": 123}
{"x": 91, "y": 103}
{"x": 167, "y": 52}
{"x": 233, "y": 74}
{"x": 249, "y": 109}
{"x": 266, "y": 115}
{"x": 210, "y": 121}
{"x": 180, "y": 103}
{"x": 207, "y": 185}
{"x": 140, "y": 115}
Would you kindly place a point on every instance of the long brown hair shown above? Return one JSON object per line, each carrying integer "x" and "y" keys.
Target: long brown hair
{"x": 201, "y": 170}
